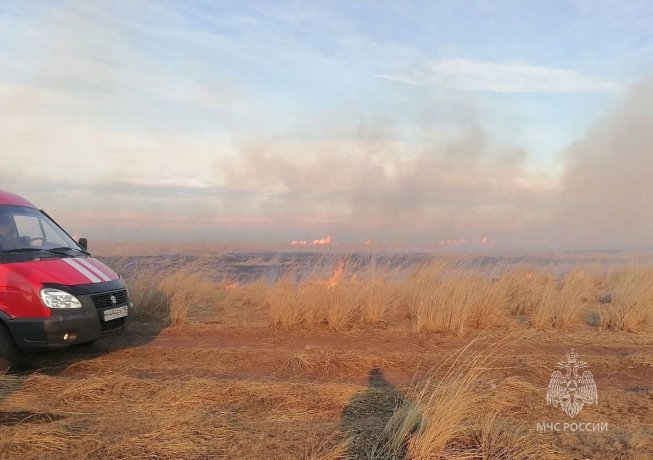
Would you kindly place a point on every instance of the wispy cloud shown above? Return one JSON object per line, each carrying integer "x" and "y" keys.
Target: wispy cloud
{"x": 511, "y": 77}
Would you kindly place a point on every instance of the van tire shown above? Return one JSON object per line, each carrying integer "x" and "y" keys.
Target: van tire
{"x": 9, "y": 354}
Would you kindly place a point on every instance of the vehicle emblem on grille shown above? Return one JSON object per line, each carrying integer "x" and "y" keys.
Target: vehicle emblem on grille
{"x": 113, "y": 299}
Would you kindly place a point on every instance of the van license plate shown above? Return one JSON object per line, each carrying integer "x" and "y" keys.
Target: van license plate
{"x": 115, "y": 313}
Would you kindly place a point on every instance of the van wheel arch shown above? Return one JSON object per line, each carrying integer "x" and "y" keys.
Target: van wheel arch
{"x": 9, "y": 354}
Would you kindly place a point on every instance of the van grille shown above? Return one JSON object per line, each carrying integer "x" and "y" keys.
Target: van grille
{"x": 112, "y": 325}
{"x": 104, "y": 300}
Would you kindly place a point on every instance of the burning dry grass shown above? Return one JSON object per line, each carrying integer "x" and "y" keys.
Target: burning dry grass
{"x": 456, "y": 301}
{"x": 441, "y": 296}
{"x": 312, "y": 305}
{"x": 298, "y": 394}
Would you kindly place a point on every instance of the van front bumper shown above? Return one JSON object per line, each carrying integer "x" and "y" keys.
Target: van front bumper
{"x": 36, "y": 334}
{"x": 71, "y": 326}
{"x": 41, "y": 334}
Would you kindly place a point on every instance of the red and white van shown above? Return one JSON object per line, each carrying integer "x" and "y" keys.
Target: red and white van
{"x": 52, "y": 292}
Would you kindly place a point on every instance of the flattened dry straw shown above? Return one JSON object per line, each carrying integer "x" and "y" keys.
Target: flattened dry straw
{"x": 115, "y": 416}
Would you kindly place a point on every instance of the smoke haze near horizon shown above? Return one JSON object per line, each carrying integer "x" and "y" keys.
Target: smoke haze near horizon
{"x": 282, "y": 125}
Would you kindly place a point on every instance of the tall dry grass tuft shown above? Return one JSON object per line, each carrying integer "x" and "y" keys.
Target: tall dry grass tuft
{"x": 311, "y": 305}
{"x": 170, "y": 295}
{"x": 487, "y": 303}
{"x": 285, "y": 307}
{"x": 561, "y": 300}
{"x": 142, "y": 277}
{"x": 495, "y": 437}
{"x": 338, "y": 305}
{"x": 439, "y": 308}
{"x": 439, "y": 405}
{"x": 187, "y": 289}
{"x": 449, "y": 415}
{"x": 525, "y": 287}
{"x": 456, "y": 301}
{"x": 377, "y": 296}
{"x": 631, "y": 301}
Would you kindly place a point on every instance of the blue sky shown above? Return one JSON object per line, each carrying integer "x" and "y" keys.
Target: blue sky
{"x": 165, "y": 112}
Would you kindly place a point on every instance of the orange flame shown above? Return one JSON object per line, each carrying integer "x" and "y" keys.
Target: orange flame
{"x": 336, "y": 277}
{"x": 318, "y": 242}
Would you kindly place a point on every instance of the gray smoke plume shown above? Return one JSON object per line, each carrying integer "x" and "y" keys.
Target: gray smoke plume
{"x": 606, "y": 190}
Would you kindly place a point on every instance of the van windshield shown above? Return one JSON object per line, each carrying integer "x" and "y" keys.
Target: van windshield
{"x": 27, "y": 229}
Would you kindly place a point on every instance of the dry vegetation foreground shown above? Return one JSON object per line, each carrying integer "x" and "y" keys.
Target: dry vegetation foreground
{"x": 424, "y": 363}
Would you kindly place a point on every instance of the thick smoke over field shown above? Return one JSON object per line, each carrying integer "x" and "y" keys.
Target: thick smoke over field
{"x": 467, "y": 186}
{"x": 606, "y": 188}
{"x": 461, "y": 186}
{"x": 150, "y": 150}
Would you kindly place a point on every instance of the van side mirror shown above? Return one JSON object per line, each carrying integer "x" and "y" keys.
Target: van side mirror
{"x": 83, "y": 242}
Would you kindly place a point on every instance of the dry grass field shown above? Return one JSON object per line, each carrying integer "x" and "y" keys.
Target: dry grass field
{"x": 431, "y": 361}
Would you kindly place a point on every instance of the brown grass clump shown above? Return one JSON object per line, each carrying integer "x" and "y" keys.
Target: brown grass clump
{"x": 313, "y": 304}
{"x": 148, "y": 299}
{"x": 439, "y": 298}
{"x": 377, "y": 296}
{"x": 170, "y": 295}
{"x": 452, "y": 416}
{"x": 456, "y": 301}
{"x": 525, "y": 288}
{"x": 187, "y": 289}
{"x": 561, "y": 300}
{"x": 143, "y": 284}
{"x": 305, "y": 305}
{"x": 631, "y": 301}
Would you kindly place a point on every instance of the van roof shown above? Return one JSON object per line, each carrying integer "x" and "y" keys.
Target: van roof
{"x": 13, "y": 199}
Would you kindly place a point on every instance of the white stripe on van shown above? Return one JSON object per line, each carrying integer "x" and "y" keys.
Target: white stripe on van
{"x": 93, "y": 268}
{"x": 73, "y": 263}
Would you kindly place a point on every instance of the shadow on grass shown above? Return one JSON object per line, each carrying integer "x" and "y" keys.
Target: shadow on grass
{"x": 367, "y": 417}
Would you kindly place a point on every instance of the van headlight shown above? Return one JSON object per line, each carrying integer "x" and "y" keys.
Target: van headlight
{"x": 55, "y": 298}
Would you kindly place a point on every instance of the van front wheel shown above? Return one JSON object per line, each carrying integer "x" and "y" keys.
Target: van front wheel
{"x": 9, "y": 354}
